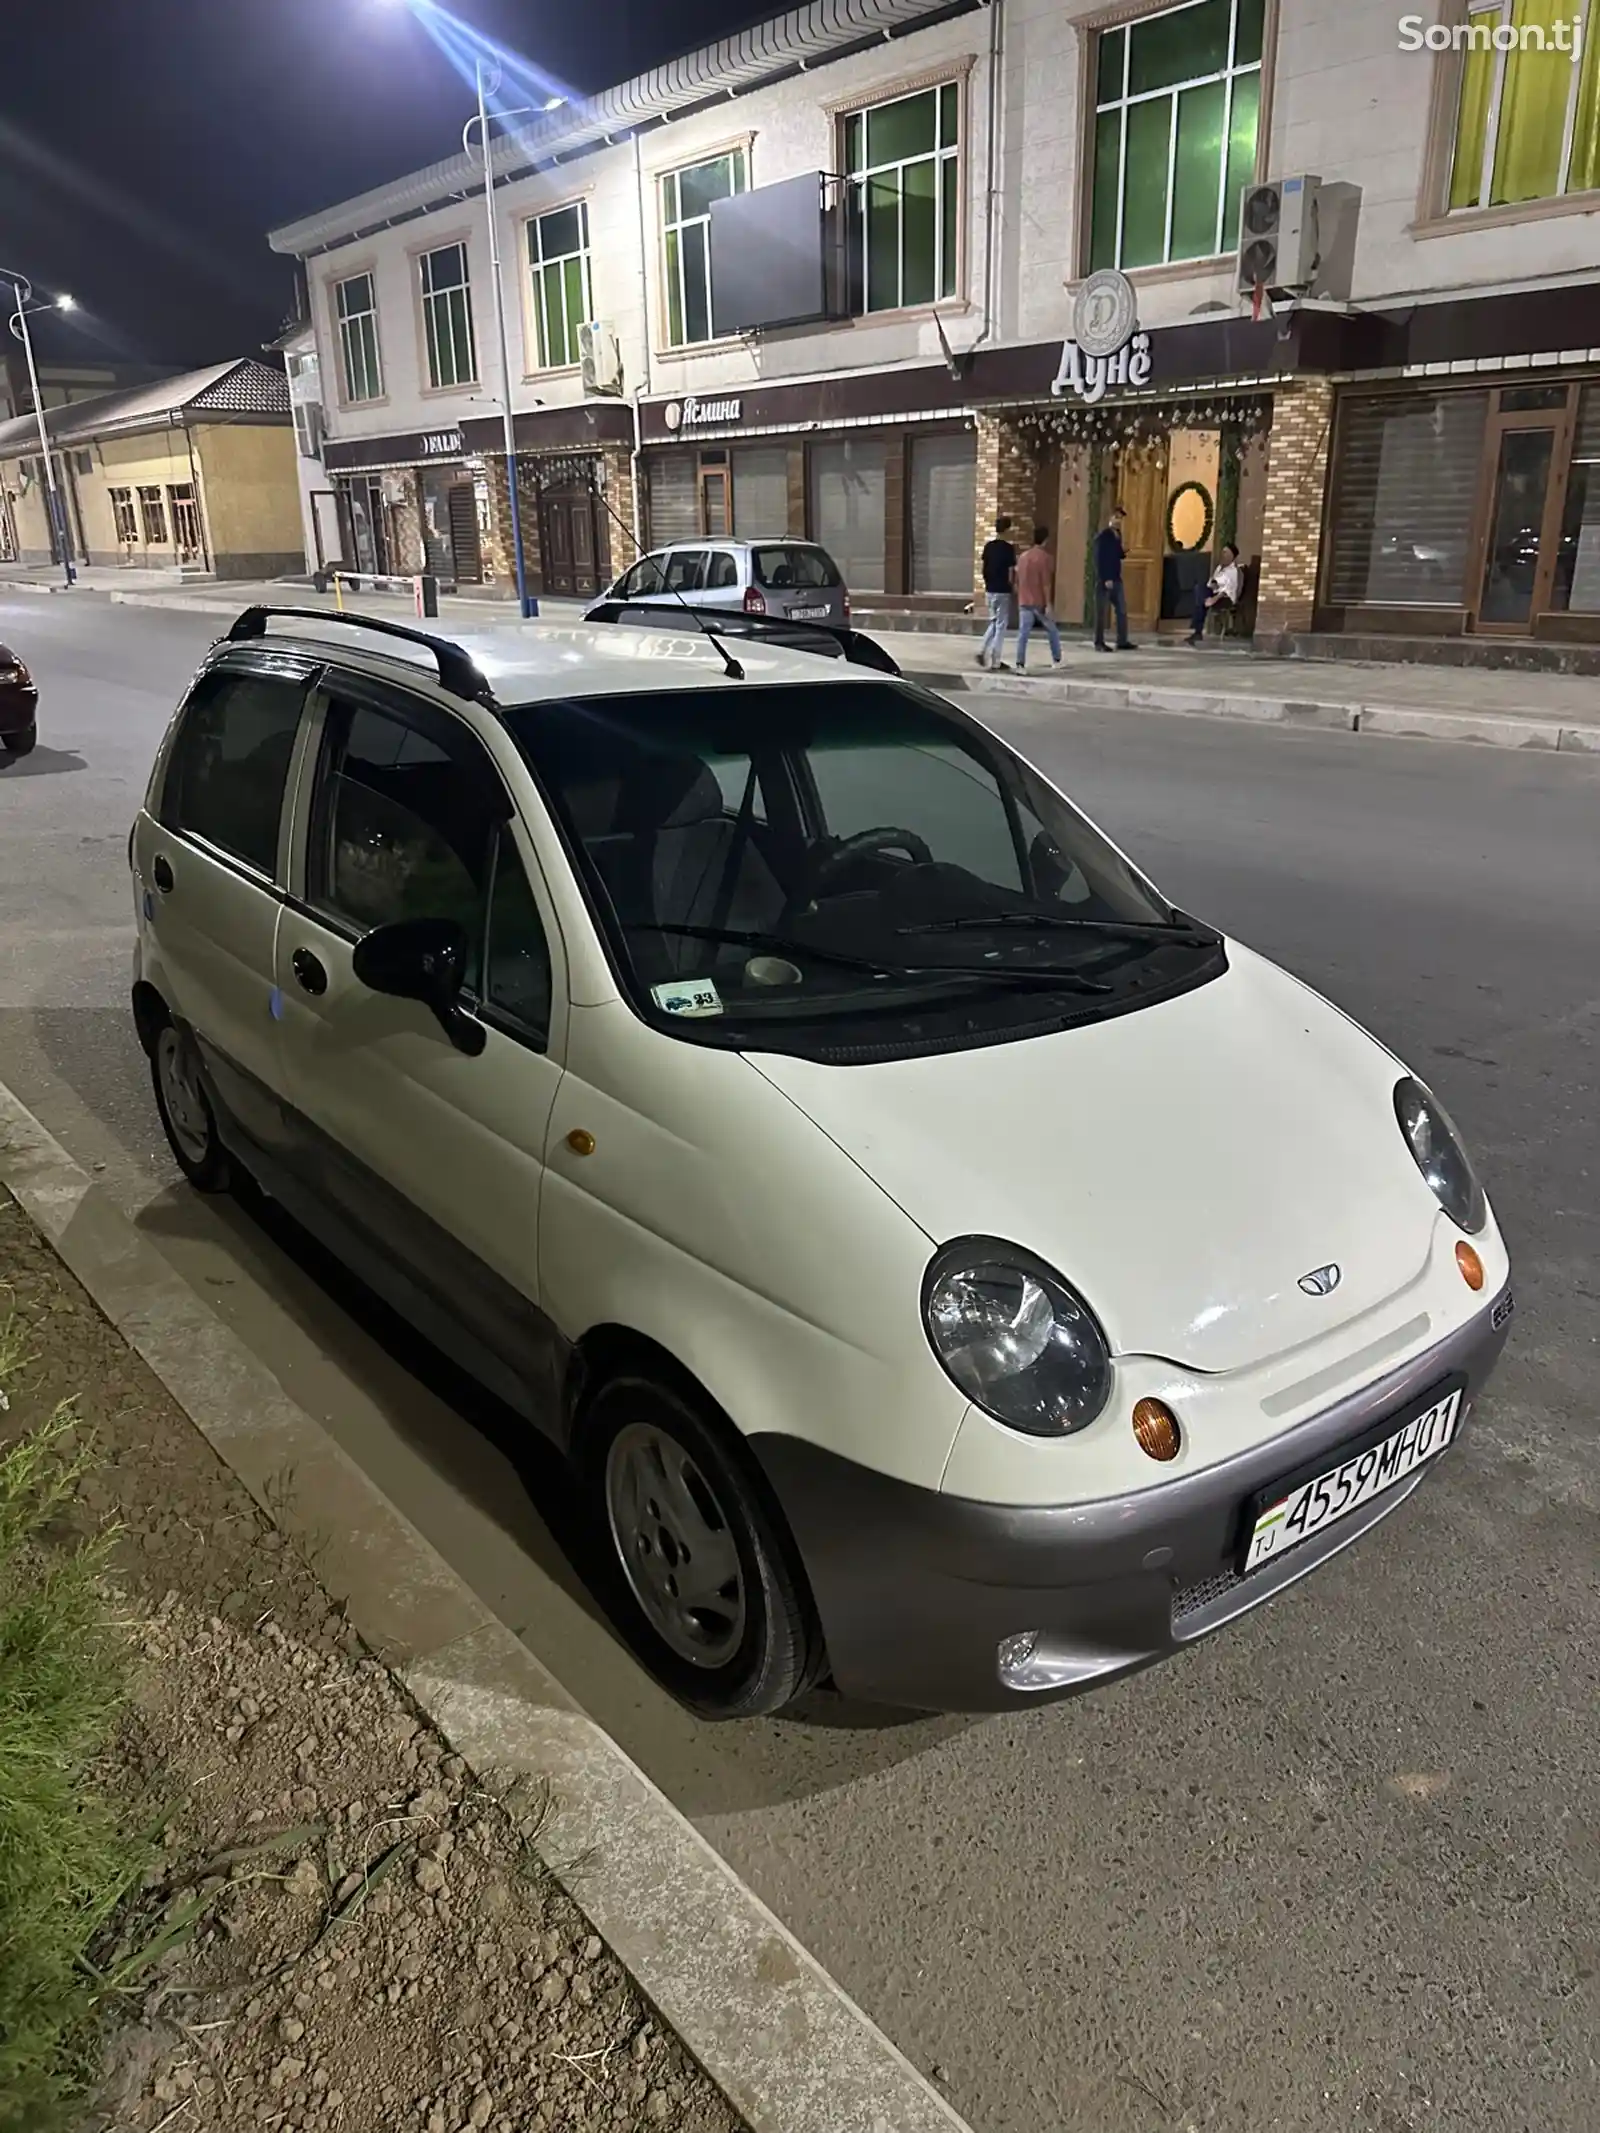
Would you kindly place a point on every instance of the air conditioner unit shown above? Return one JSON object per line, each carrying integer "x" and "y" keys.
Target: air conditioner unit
{"x": 1278, "y": 235}
{"x": 599, "y": 357}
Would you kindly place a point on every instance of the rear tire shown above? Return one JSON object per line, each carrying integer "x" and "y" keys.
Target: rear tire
{"x": 23, "y": 742}
{"x": 186, "y": 1115}
{"x": 708, "y": 1589}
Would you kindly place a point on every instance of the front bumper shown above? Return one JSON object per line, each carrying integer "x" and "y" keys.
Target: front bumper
{"x": 19, "y": 708}
{"x": 916, "y": 1590}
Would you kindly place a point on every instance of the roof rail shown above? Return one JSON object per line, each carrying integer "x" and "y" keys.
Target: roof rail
{"x": 458, "y": 671}
{"x": 827, "y": 640}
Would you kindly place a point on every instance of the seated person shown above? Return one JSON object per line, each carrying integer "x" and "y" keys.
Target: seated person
{"x": 1220, "y": 594}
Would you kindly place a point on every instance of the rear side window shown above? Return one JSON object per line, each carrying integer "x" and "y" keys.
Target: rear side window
{"x": 230, "y": 763}
{"x": 722, "y": 573}
{"x": 787, "y": 568}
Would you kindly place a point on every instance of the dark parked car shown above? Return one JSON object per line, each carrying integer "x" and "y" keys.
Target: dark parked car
{"x": 19, "y": 705}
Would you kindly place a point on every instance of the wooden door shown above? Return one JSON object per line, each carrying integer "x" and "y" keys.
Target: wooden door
{"x": 571, "y": 550}
{"x": 1139, "y": 484}
{"x": 1523, "y": 489}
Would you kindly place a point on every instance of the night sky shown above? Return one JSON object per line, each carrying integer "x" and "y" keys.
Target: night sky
{"x": 147, "y": 146}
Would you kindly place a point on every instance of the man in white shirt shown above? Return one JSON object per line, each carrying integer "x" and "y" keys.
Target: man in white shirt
{"x": 1220, "y": 593}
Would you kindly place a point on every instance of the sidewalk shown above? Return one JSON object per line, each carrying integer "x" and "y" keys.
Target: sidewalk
{"x": 1553, "y": 712}
{"x": 1549, "y": 711}
{"x": 404, "y": 1880}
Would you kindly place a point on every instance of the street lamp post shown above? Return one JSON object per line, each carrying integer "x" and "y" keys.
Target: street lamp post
{"x": 21, "y": 290}
{"x": 525, "y": 600}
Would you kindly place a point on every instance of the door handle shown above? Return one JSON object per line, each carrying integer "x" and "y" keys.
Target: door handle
{"x": 161, "y": 873}
{"x": 308, "y": 972}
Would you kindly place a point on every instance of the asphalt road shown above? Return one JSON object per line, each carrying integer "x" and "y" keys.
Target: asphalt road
{"x": 1337, "y": 1868}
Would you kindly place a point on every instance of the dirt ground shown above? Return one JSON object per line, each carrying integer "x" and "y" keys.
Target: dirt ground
{"x": 361, "y": 1936}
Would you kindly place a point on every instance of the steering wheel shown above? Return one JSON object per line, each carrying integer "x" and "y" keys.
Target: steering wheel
{"x": 847, "y": 849}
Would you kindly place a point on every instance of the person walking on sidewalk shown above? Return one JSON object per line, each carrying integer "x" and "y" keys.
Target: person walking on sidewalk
{"x": 1108, "y": 555}
{"x": 1036, "y": 571}
{"x": 999, "y": 582}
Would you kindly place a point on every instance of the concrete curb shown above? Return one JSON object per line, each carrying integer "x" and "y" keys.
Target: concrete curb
{"x": 787, "y": 2046}
{"x": 1412, "y": 721}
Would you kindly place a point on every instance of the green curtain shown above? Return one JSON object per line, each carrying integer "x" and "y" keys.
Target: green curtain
{"x": 1472, "y": 121}
{"x": 1584, "y": 170}
{"x": 1533, "y": 110}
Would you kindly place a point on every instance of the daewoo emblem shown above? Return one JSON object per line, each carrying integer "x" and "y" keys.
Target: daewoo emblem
{"x": 1321, "y": 1281}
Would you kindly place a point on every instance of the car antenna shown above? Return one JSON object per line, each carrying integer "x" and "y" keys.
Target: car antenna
{"x": 730, "y": 665}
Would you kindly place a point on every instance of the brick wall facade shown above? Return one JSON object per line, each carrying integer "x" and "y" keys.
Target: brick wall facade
{"x": 1007, "y": 485}
{"x": 1291, "y": 532}
{"x": 616, "y": 486}
{"x": 497, "y": 558}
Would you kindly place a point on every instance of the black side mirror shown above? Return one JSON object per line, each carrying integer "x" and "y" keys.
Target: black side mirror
{"x": 422, "y": 959}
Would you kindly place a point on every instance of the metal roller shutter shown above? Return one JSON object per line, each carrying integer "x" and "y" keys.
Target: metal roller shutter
{"x": 944, "y": 502}
{"x": 847, "y": 515}
{"x": 674, "y": 497}
{"x": 761, "y": 492}
{"x": 1404, "y": 492}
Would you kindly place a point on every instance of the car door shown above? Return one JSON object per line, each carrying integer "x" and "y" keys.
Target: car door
{"x": 720, "y": 586}
{"x": 209, "y": 856}
{"x": 427, "y": 1159}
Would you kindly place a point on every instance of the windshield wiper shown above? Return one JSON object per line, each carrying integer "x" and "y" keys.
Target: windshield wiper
{"x": 1138, "y": 929}
{"x": 780, "y": 944}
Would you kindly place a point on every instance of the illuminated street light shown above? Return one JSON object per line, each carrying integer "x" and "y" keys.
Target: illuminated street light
{"x": 21, "y": 291}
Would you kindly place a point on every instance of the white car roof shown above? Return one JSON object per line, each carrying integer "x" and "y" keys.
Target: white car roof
{"x": 525, "y": 663}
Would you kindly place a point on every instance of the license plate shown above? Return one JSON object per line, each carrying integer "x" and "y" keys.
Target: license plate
{"x": 1288, "y": 1516}
{"x": 808, "y": 614}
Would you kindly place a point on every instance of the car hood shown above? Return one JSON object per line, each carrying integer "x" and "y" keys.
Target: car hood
{"x": 1182, "y": 1166}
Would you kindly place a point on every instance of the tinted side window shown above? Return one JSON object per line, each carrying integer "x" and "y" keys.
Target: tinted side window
{"x": 230, "y": 763}
{"x": 516, "y": 964}
{"x": 684, "y": 568}
{"x": 403, "y": 827}
{"x": 722, "y": 573}
{"x": 644, "y": 577}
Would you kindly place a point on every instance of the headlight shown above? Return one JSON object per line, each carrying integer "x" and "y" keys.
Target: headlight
{"x": 1015, "y": 1339}
{"x": 1440, "y": 1156}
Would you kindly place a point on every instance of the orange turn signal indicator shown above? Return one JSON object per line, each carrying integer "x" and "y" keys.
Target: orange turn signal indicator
{"x": 1156, "y": 1428}
{"x": 1470, "y": 1264}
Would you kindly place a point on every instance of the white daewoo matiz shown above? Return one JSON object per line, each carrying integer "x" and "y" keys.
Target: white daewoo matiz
{"x": 948, "y": 1267}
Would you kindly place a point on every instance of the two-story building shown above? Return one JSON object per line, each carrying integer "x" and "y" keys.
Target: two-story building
{"x": 822, "y": 278}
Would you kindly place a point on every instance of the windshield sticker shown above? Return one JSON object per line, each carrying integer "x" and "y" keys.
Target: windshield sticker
{"x": 689, "y": 996}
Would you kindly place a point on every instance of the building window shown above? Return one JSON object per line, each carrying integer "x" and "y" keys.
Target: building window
{"x": 358, "y": 338}
{"x": 686, "y": 197}
{"x": 153, "y": 518}
{"x": 447, "y": 317}
{"x": 558, "y": 262}
{"x": 308, "y": 428}
{"x": 1527, "y": 121}
{"x": 1177, "y": 103}
{"x": 903, "y": 165}
{"x": 127, "y": 526}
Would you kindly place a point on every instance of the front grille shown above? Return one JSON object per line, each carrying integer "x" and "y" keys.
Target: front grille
{"x": 1502, "y": 1310}
{"x": 1189, "y": 1599}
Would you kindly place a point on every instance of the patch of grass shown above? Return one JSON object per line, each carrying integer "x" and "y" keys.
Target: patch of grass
{"x": 65, "y": 1859}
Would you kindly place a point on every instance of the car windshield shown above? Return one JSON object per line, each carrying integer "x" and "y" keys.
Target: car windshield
{"x": 853, "y": 864}
{"x": 794, "y": 569}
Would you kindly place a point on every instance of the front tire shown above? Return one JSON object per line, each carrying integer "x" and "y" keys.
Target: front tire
{"x": 186, "y": 1115}
{"x": 22, "y": 742}
{"x": 709, "y": 1591}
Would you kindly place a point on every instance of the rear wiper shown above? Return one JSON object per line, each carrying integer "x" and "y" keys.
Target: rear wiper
{"x": 780, "y": 944}
{"x": 1124, "y": 928}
